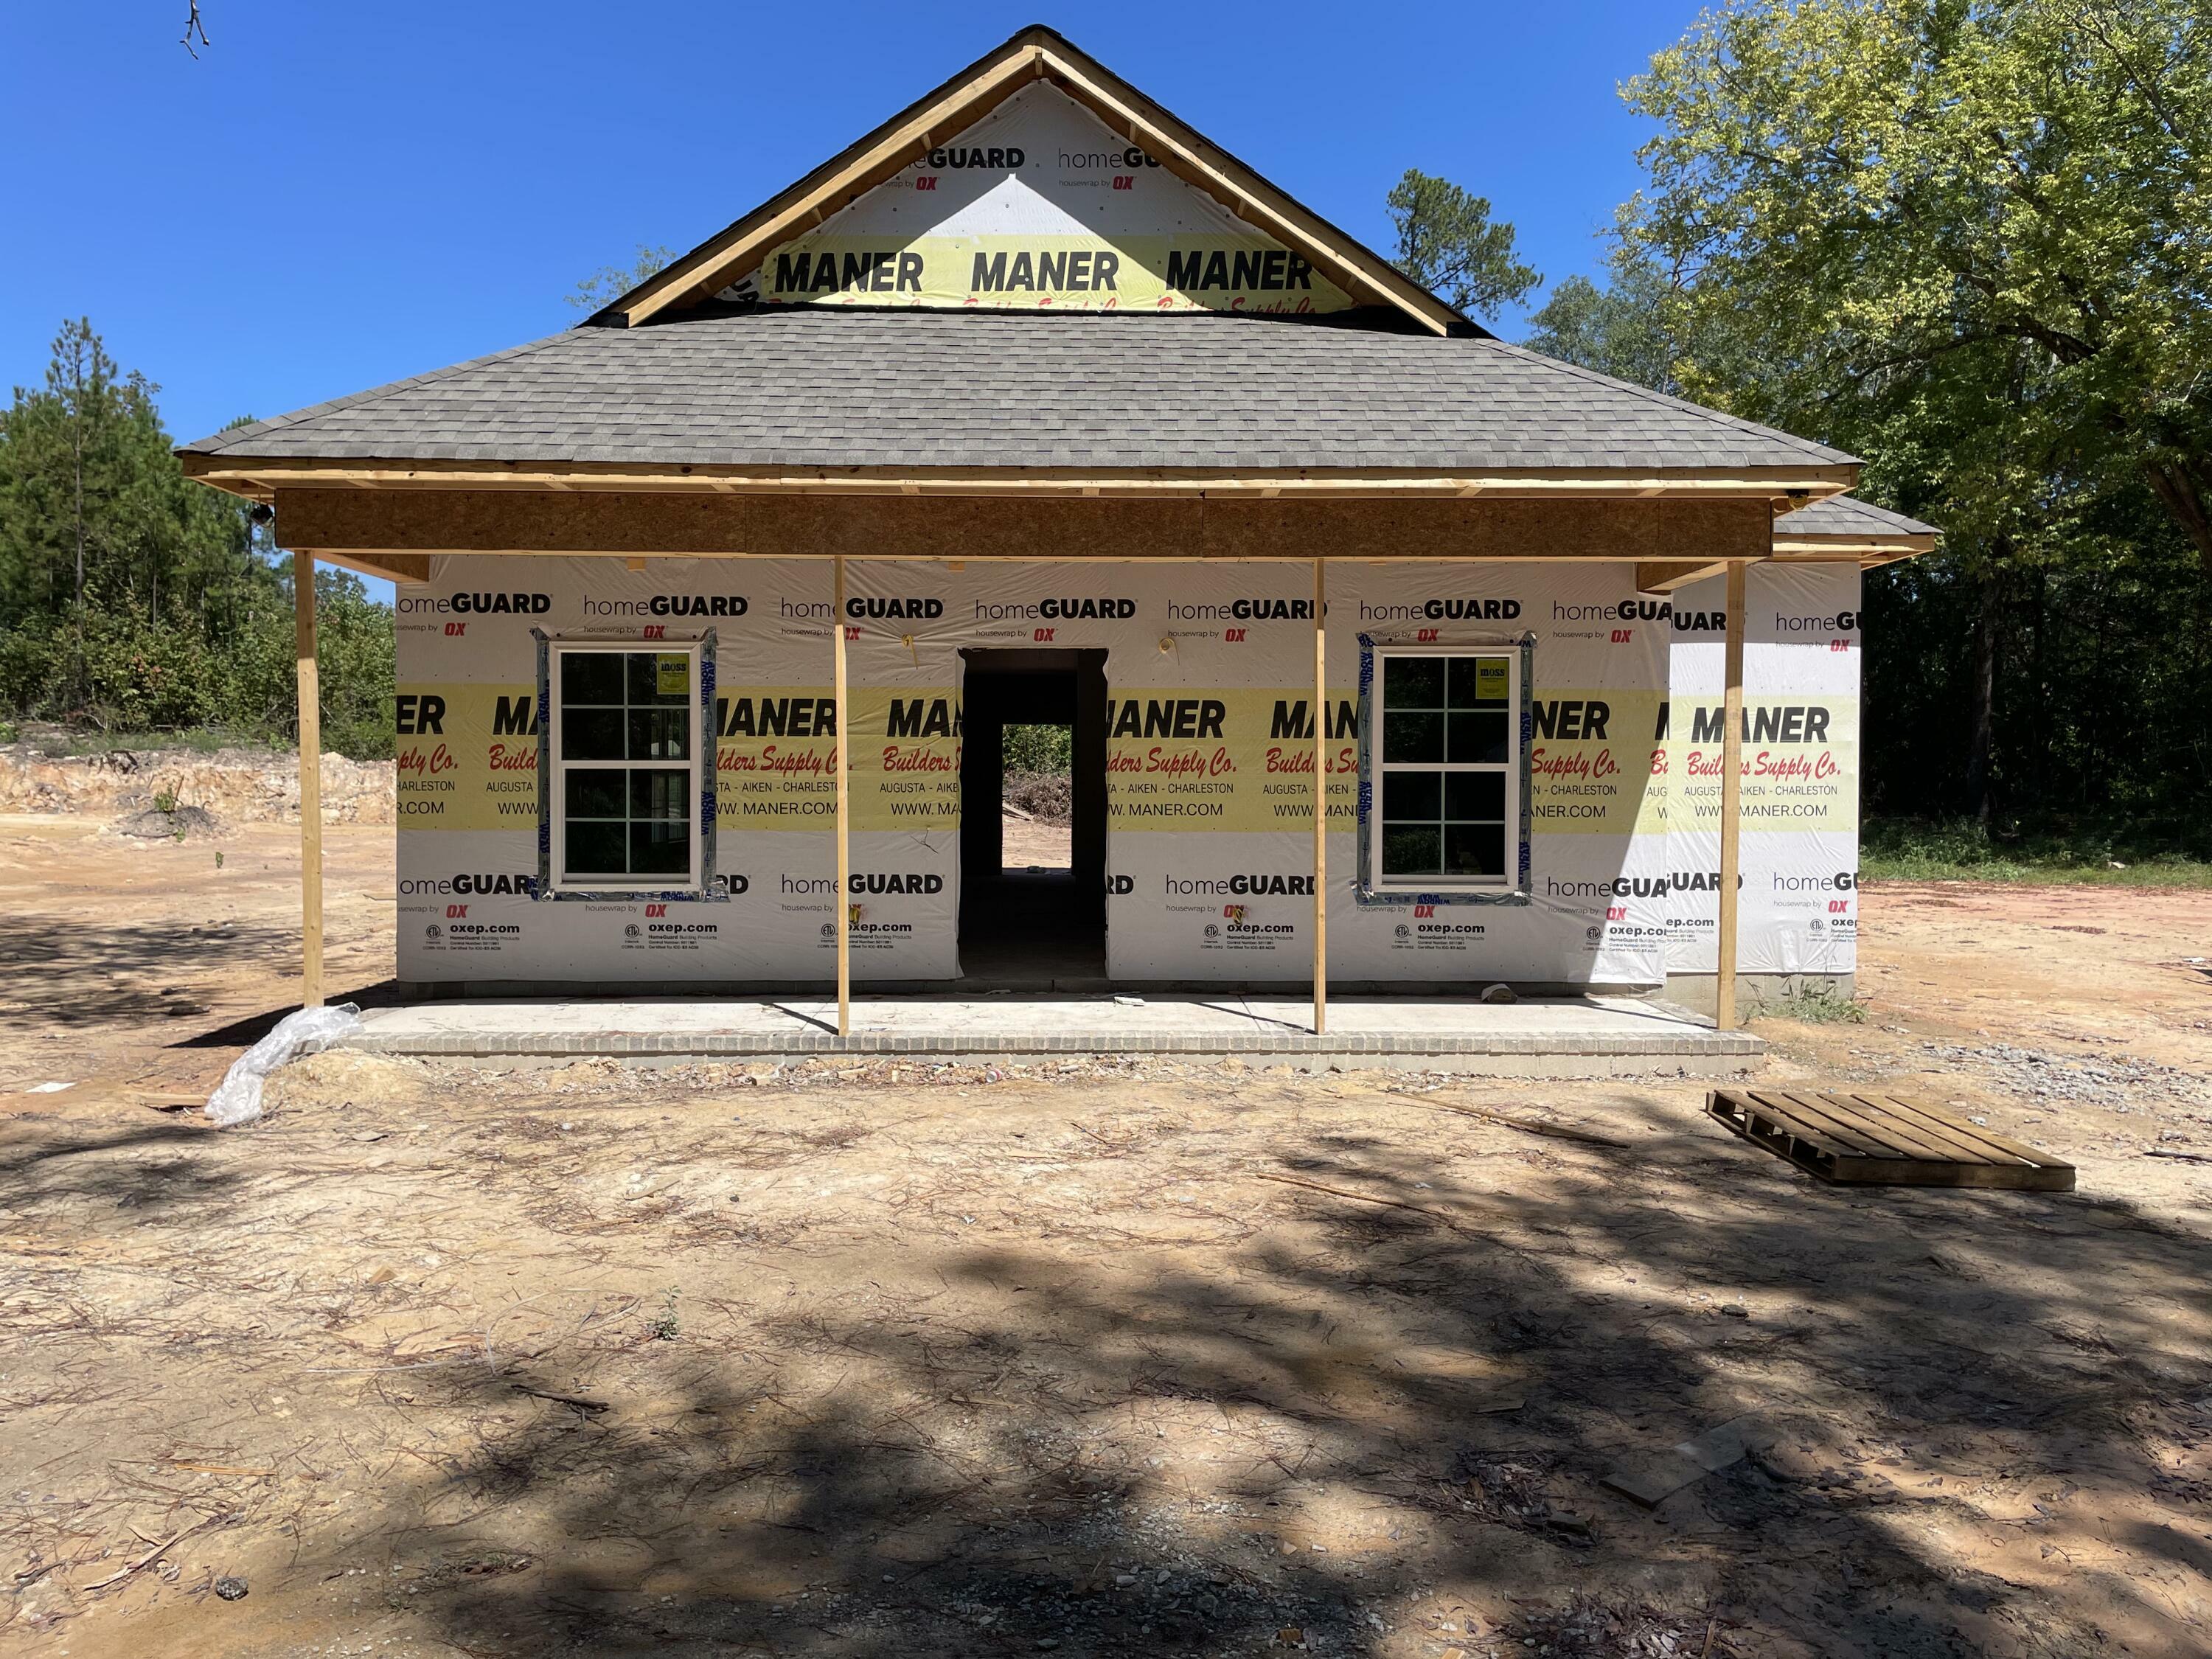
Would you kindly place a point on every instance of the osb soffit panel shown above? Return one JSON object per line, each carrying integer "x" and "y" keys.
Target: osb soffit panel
{"x": 787, "y": 525}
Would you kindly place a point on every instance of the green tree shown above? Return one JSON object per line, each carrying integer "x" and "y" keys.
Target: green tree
{"x": 94, "y": 511}
{"x": 92, "y": 503}
{"x": 1997, "y": 208}
{"x": 1971, "y": 241}
{"x": 1448, "y": 243}
{"x": 609, "y": 282}
{"x": 133, "y": 598}
{"x": 1640, "y": 328}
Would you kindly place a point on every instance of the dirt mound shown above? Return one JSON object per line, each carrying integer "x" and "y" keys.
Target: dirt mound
{"x": 1043, "y": 795}
{"x": 154, "y": 824}
{"x": 235, "y": 786}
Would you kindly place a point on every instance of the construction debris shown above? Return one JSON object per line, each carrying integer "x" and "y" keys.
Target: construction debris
{"x": 237, "y": 1098}
{"x": 1649, "y": 1480}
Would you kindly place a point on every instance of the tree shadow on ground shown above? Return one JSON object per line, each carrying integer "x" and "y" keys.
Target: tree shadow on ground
{"x": 148, "y": 1169}
{"x": 72, "y": 973}
{"x": 245, "y": 1032}
{"x": 1064, "y": 1445}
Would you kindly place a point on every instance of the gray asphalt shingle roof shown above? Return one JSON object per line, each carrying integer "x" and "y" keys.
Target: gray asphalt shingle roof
{"x": 805, "y": 388}
{"x": 1847, "y": 515}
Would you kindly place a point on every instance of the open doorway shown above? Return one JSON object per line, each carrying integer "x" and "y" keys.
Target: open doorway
{"x": 1033, "y": 818}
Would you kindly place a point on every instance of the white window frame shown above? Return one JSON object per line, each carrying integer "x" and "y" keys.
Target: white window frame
{"x": 557, "y": 795}
{"x": 1379, "y": 770}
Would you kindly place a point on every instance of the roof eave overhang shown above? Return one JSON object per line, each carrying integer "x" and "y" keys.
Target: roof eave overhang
{"x": 1035, "y": 54}
{"x": 257, "y": 478}
{"x": 1867, "y": 551}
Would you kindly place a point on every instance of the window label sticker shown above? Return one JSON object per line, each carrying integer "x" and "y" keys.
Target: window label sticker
{"x": 672, "y": 674}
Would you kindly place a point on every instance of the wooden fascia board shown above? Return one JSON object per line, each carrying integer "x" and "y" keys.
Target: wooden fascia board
{"x": 974, "y": 93}
{"x": 256, "y": 476}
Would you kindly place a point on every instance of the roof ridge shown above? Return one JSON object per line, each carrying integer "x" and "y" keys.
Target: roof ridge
{"x": 1735, "y": 421}
{"x": 217, "y": 443}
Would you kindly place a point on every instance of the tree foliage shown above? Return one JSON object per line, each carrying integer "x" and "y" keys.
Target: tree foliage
{"x": 1638, "y": 328}
{"x": 93, "y": 507}
{"x": 1968, "y": 241}
{"x": 132, "y": 598}
{"x": 1994, "y": 216}
{"x": 609, "y": 282}
{"x": 1448, "y": 243}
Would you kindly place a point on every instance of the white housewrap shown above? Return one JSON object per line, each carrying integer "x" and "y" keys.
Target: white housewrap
{"x": 1209, "y": 673}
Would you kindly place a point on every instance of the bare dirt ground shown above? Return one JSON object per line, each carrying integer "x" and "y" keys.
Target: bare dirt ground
{"x": 1117, "y": 1360}
{"x": 1036, "y": 844}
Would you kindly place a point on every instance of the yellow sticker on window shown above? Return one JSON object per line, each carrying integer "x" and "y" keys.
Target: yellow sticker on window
{"x": 1492, "y": 679}
{"x": 674, "y": 674}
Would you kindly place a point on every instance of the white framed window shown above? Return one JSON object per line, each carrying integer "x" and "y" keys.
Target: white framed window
{"x": 1445, "y": 765}
{"x": 625, "y": 749}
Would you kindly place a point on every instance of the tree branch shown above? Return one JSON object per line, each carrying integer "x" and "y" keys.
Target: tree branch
{"x": 2180, "y": 490}
{"x": 2087, "y": 16}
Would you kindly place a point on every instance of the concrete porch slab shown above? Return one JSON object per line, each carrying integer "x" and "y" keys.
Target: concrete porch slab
{"x": 1559, "y": 1037}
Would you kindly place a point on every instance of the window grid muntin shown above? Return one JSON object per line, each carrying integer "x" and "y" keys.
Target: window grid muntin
{"x": 1507, "y": 769}
{"x": 684, "y": 707}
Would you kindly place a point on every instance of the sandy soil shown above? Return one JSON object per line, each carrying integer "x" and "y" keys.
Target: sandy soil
{"x": 236, "y": 786}
{"x": 1112, "y": 1359}
{"x": 1036, "y": 844}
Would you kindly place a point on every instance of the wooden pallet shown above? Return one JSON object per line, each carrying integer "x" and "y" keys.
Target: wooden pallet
{"x": 1880, "y": 1141}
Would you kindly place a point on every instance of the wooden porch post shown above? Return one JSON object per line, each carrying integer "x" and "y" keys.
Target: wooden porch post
{"x": 1321, "y": 805}
{"x": 1731, "y": 800}
{"x": 311, "y": 782}
{"x": 844, "y": 825}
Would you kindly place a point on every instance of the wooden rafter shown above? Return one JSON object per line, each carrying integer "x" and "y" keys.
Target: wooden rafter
{"x": 1662, "y": 577}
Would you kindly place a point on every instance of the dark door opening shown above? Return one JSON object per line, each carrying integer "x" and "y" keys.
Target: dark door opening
{"x": 1033, "y": 888}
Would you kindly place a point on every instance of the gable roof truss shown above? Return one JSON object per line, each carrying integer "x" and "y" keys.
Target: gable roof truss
{"x": 1035, "y": 54}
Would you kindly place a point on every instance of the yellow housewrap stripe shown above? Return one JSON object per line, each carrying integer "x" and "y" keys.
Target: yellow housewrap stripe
{"x": 1234, "y": 758}
{"x": 775, "y": 767}
{"x": 1241, "y": 760}
{"x": 468, "y": 757}
{"x": 1132, "y": 273}
{"x": 1800, "y": 765}
{"x": 1595, "y": 766}
{"x": 1226, "y": 758}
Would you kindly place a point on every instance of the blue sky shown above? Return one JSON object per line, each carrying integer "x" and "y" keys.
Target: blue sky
{"x": 335, "y": 196}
